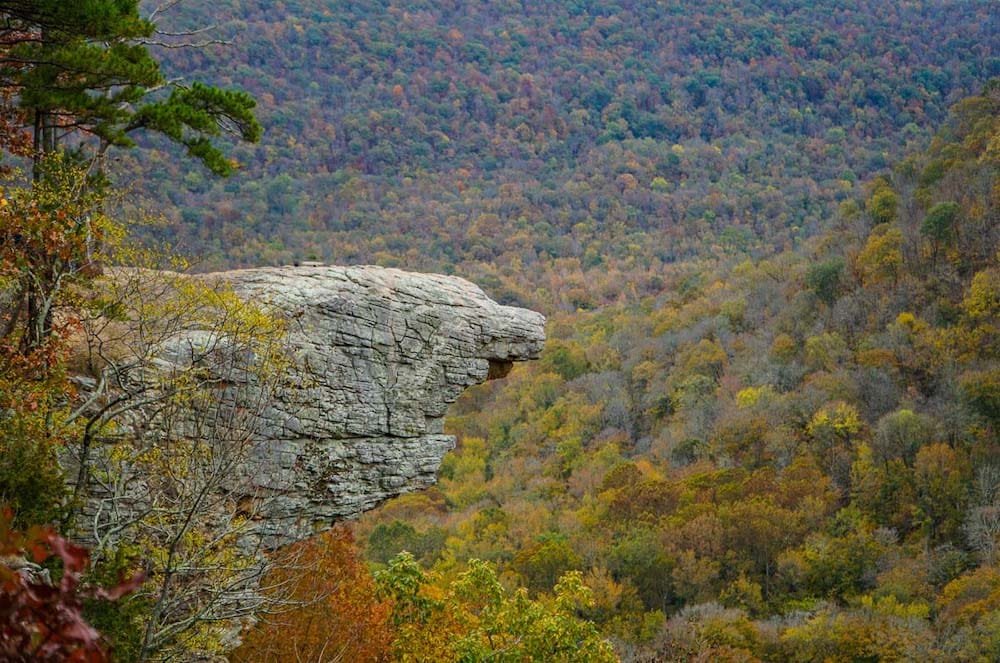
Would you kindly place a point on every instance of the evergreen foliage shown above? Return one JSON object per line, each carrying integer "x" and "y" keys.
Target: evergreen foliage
{"x": 86, "y": 67}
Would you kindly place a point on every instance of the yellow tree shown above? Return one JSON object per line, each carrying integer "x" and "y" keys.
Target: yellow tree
{"x": 477, "y": 619}
{"x": 176, "y": 371}
{"x": 881, "y": 259}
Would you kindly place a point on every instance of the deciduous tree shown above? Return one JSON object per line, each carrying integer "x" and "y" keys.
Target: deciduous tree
{"x": 331, "y": 612}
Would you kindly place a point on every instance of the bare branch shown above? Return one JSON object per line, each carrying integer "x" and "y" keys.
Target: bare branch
{"x": 187, "y": 44}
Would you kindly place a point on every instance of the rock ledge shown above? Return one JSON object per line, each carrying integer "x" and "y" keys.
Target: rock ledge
{"x": 379, "y": 355}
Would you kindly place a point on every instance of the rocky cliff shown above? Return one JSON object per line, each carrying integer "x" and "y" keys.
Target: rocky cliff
{"x": 379, "y": 354}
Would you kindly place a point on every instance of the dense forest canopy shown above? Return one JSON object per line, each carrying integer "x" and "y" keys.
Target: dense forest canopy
{"x": 764, "y": 427}
{"x": 794, "y": 458}
{"x": 522, "y": 144}
{"x": 766, "y": 235}
{"x": 765, "y": 423}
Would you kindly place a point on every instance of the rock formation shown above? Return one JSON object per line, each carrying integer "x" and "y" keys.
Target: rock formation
{"x": 379, "y": 354}
{"x": 209, "y": 448}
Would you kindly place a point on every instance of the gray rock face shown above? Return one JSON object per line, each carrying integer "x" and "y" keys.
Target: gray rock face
{"x": 379, "y": 354}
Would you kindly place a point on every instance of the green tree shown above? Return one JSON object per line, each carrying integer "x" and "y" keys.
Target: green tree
{"x": 824, "y": 280}
{"x": 981, "y": 392}
{"x": 46, "y": 267}
{"x": 942, "y": 478}
{"x": 939, "y": 224}
{"x": 504, "y": 626}
{"x": 84, "y": 66}
{"x": 477, "y": 619}
{"x": 542, "y": 564}
{"x": 901, "y": 434}
{"x": 877, "y": 630}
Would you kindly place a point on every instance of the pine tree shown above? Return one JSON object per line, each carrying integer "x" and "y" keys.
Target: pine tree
{"x": 84, "y": 67}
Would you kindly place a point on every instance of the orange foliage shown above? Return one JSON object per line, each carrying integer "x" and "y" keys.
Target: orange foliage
{"x": 338, "y": 617}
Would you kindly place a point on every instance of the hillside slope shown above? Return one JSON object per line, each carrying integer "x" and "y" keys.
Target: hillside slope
{"x": 788, "y": 459}
{"x": 523, "y": 144}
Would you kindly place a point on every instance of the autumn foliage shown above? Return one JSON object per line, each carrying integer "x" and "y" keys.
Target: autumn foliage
{"x": 332, "y": 611}
{"x": 791, "y": 457}
{"x": 41, "y": 620}
{"x": 52, "y": 236}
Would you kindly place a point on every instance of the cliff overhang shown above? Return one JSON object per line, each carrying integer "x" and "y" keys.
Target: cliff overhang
{"x": 377, "y": 354}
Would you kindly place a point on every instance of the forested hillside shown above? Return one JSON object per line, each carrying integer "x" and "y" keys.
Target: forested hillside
{"x": 765, "y": 424}
{"x": 525, "y": 144}
{"x": 766, "y": 234}
{"x": 787, "y": 459}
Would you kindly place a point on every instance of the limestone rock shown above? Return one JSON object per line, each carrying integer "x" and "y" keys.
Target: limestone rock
{"x": 379, "y": 354}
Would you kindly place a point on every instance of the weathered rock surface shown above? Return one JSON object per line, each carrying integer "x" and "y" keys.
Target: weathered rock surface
{"x": 379, "y": 355}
